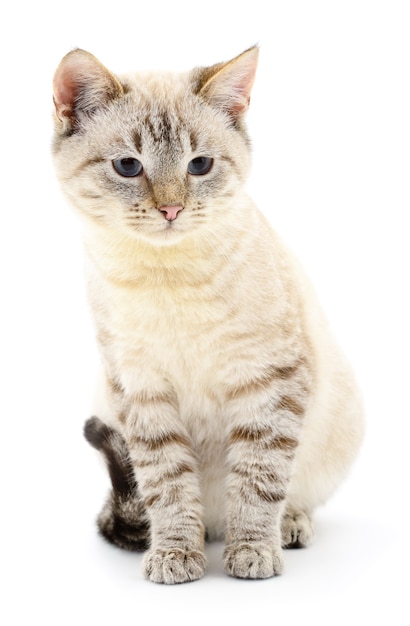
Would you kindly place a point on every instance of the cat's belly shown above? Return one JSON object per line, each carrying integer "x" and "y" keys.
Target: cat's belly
{"x": 212, "y": 477}
{"x": 205, "y": 421}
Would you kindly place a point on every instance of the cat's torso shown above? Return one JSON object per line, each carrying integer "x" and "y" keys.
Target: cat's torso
{"x": 199, "y": 324}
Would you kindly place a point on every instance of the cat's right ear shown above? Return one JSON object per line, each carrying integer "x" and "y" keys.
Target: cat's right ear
{"x": 81, "y": 85}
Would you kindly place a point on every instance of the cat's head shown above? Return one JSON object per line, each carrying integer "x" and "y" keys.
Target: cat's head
{"x": 160, "y": 156}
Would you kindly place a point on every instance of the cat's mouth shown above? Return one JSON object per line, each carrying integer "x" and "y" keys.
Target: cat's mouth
{"x": 167, "y": 232}
{"x": 170, "y": 228}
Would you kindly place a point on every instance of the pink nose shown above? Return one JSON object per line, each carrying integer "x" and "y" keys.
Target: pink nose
{"x": 171, "y": 211}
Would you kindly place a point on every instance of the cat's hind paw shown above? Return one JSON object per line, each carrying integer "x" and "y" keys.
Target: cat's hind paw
{"x": 174, "y": 565}
{"x": 297, "y": 529}
{"x": 247, "y": 560}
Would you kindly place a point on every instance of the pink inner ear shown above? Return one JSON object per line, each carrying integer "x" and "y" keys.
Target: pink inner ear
{"x": 244, "y": 84}
{"x": 230, "y": 87}
{"x": 65, "y": 91}
{"x": 241, "y": 103}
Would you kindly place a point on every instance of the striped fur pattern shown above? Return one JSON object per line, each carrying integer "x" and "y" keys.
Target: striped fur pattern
{"x": 224, "y": 407}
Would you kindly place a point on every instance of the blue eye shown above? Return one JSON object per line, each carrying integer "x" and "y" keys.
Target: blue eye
{"x": 127, "y": 167}
{"x": 200, "y": 166}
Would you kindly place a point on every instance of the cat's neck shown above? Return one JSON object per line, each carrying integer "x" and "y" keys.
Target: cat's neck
{"x": 122, "y": 258}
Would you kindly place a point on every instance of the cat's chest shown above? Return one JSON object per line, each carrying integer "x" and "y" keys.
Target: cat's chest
{"x": 178, "y": 331}
{"x": 207, "y": 334}
{"x": 172, "y": 316}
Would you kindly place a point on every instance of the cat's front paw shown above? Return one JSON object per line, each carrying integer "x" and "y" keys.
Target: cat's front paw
{"x": 248, "y": 560}
{"x": 174, "y": 565}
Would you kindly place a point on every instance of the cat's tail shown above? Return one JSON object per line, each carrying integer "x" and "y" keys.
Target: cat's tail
{"x": 123, "y": 520}
{"x": 114, "y": 449}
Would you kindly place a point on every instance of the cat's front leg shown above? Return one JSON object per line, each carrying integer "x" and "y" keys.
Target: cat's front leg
{"x": 263, "y": 437}
{"x": 166, "y": 470}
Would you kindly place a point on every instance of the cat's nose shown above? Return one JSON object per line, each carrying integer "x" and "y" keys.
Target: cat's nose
{"x": 170, "y": 211}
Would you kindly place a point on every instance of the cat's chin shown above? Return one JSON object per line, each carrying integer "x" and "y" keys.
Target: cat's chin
{"x": 165, "y": 237}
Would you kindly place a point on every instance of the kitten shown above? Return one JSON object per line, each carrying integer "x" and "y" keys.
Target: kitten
{"x": 225, "y": 408}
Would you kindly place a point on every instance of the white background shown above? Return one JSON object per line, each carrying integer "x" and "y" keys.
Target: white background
{"x": 330, "y": 126}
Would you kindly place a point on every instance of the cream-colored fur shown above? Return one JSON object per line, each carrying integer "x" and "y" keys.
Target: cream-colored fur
{"x": 206, "y": 324}
{"x": 194, "y": 359}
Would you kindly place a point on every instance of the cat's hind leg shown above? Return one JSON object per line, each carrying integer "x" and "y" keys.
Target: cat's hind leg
{"x": 297, "y": 528}
{"x": 123, "y": 520}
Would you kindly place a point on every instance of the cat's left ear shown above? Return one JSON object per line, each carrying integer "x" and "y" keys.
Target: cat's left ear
{"x": 227, "y": 86}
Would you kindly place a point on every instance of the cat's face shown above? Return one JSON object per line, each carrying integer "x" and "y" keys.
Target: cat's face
{"x": 159, "y": 156}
